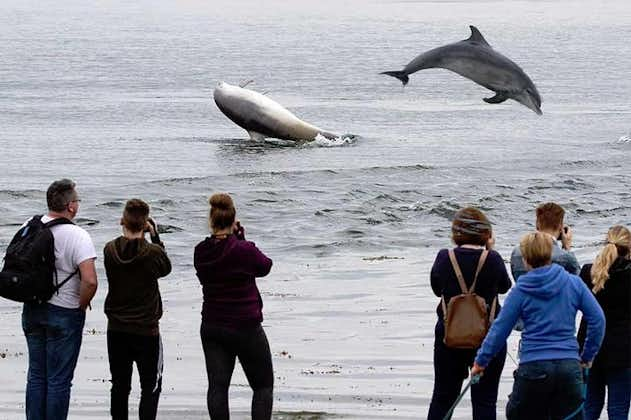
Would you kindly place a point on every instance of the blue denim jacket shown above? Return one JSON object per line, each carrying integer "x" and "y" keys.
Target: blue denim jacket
{"x": 565, "y": 259}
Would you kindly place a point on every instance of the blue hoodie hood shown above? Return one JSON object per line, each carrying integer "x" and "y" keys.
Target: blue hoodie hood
{"x": 543, "y": 282}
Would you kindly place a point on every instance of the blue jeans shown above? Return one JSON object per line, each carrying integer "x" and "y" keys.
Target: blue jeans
{"x": 53, "y": 335}
{"x": 547, "y": 389}
{"x": 618, "y": 384}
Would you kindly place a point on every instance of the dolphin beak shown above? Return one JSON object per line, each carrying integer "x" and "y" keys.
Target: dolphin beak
{"x": 530, "y": 100}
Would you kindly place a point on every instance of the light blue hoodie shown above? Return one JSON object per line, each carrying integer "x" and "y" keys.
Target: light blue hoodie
{"x": 547, "y": 299}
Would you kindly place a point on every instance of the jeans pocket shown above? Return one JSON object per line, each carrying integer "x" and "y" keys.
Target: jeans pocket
{"x": 530, "y": 373}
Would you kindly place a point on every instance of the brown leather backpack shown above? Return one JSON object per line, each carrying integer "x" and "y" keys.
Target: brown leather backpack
{"x": 466, "y": 318}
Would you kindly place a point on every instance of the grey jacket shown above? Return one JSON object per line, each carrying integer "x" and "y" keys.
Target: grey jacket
{"x": 565, "y": 259}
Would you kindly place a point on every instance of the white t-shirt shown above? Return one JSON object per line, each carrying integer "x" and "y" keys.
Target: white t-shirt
{"x": 73, "y": 246}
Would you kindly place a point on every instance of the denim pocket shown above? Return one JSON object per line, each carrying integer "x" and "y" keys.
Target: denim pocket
{"x": 530, "y": 373}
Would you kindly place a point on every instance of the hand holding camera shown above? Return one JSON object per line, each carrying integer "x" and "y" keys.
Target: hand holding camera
{"x": 152, "y": 228}
{"x": 566, "y": 237}
{"x": 238, "y": 230}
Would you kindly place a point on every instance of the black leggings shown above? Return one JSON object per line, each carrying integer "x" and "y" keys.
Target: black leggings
{"x": 123, "y": 350}
{"x": 221, "y": 347}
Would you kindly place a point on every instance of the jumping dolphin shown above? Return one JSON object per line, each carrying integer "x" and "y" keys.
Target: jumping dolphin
{"x": 475, "y": 59}
{"x": 262, "y": 117}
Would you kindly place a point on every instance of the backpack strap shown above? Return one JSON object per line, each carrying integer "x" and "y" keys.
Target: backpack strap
{"x": 493, "y": 309}
{"x": 481, "y": 261}
{"x": 57, "y": 221}
{"x": 459, "y": 276}
{"x": 48, "y": 225}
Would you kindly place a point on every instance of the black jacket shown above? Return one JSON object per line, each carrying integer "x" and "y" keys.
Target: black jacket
{"x": 133, "y": 267}
{"x": 615, "y": 300}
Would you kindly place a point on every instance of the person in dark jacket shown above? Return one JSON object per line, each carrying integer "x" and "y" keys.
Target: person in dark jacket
{"x": 227, "y": 266}
{"x": 549, "y": 381}
{"x": 609, "y": 278}
{"x": 472, "y": 234}
{"x": 133, "y": 307}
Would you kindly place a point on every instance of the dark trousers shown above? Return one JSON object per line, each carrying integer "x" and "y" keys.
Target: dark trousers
{"x": 53, "y": 336}
{"x": 221, "y": 348}
{"x": 548, "y": 390}
{"x": 451, "y": 368}
{"x": 123, "y": 350}
{"x": 617, "y": 381}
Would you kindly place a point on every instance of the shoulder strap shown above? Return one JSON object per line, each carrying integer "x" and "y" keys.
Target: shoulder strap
{"x": 493, "y": 309}
{"x": 459, "y": 276}
{"x": 481, "y": 261}
{"x": 57, "y": 221}
{"x": 58, "y": 285}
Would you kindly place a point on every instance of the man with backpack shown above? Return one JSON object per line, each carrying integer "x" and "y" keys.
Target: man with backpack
{"x": 53, "y": 325}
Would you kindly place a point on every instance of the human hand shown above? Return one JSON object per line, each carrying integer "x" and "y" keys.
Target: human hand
{"x": 477, "y": 370}
{"x": 587, "y": 365}
{"x": 239, "y": 231}
{"x": 151, "y": 227}
{"x": 566, "y": 237}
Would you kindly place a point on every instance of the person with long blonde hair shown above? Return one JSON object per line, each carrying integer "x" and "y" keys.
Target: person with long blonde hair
{"x": 609, "y": 278}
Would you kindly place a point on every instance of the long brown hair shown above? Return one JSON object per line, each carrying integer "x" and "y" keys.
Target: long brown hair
{"x": 222, "y": 211}
{"x": 618, "y": 243}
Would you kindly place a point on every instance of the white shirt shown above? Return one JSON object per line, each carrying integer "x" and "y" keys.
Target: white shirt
{"x": 73, "y": 246}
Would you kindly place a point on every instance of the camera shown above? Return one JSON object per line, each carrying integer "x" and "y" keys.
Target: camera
{"x": 564, "y": 231}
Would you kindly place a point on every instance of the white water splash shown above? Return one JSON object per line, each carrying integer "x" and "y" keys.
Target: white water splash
{"x": 343, "y": 140}
{"x": 624, "y": 139}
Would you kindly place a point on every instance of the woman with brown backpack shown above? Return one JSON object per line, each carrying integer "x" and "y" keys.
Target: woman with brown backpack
{"x": 468, "y": 279}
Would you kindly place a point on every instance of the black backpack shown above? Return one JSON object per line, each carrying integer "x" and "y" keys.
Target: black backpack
{"x": 29, "y": 273}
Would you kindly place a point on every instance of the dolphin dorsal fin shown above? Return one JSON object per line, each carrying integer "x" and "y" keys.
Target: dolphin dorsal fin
{"x": 476, "y": 36}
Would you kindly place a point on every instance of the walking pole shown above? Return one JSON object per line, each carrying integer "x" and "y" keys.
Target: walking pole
{"x": 474, "y": 380}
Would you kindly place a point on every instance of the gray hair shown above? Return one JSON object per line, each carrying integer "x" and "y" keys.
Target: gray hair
{"x": 59, "y": 194}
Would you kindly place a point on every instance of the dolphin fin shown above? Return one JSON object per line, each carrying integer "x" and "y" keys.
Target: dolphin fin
{"x": 476, "y": 36}
{"x": 256, "y": 136}
{"x": 401, "y": 75}
{"x": 497, "y": 99}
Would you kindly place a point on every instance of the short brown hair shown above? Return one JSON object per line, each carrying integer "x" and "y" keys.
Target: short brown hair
{"x": 536, "y": 249}
{"x": 222, "y": 211}
{"x": 135, "y": 215}
{"x": 470, "y": 226}
{"x": 550, "y": 216}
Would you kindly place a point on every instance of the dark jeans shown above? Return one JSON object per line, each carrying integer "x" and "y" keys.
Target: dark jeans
{"x": 221, "y": 347}
{"x": 451, "y": 368}
{"x": 546, "y": 389}
{"x": 53, "y": 336}
{"x": 618, "y": 384}
{"x": 123, "y": 350}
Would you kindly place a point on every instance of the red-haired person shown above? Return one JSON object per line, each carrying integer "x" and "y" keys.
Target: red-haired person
{"x": 227, "y": 267}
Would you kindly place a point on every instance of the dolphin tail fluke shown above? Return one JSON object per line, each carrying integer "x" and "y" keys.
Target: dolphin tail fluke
{"x": 401, "y": 75}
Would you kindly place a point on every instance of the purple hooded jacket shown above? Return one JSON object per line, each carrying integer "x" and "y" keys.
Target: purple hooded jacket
{"x": 226, "y": 269}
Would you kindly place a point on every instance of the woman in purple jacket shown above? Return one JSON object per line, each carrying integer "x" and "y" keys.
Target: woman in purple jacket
{"x": 227, "y": 266}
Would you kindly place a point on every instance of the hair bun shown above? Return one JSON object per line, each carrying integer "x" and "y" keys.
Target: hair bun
{"x": 221, "y": 201}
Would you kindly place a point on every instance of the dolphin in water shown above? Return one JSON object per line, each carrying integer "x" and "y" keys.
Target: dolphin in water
{"x": 262, "y": 117}
{"x": 475, "y": 59}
